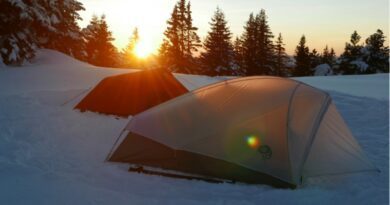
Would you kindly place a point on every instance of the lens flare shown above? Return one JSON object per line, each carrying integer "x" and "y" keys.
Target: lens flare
{"x": 253, "y": 141}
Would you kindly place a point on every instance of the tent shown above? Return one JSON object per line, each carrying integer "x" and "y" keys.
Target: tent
{"x": 132, "y": 93}
{"x": 267, "y": 130}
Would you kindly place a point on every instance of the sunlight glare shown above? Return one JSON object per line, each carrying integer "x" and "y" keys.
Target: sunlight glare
{"x": 143, "y": 49}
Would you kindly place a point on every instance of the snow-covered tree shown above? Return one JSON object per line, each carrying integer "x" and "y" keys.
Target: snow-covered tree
{"x": 16, "y": 38}
{"x": 217, "y": 58}
{"x": 376, "y": 53}
{"x": 323, "y": 70}
{"x": 27, "y": 25}
{"x": 351, "y": 61}
{"x": 60, "y": 30}
{"x": 302, "y": 59}
{"x": 99, "y": 47}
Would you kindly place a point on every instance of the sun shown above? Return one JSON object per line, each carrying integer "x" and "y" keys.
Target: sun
{"x": 143, "y": 49}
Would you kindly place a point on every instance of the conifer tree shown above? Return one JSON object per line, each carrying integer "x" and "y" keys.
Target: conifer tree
{"x": 128, "y": 53}
{"x": 280, "y": 57}
{"x": 181, "y": 40}
{"x": 99, "y": 47}
{"x": 315, "y": 58}
{"x": 328, "y": 57}
{"x": 258, "y": 56}
{"x": 351, "y": 60}
{"x": 61, "y": 31}
{"x": 377, "y": 56}
{"x": 249, "y": 47}
{"x": 27, "y": 25}
{"x": 17, "y": 43}
{"x": 265, "y": 55}
{"x": 238, "y": 57}
{"x": 302, "y": 58}
{"x": 218, "y": 56}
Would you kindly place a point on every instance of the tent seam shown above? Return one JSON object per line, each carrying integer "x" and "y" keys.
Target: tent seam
{"x": 319, "y": 119}
{"x": 288, "y": 128}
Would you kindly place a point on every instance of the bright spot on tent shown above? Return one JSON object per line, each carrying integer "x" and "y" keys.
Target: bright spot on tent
{"x": 253, "y": 141}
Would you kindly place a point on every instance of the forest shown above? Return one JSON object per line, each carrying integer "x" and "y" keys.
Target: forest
{"x": 26, "y": 26}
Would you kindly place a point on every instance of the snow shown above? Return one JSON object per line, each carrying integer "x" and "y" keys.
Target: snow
{"x": 323, "y": 70}
{"x": 361, "y": 65}
{"x": 52, "y": 154}
{"x": 371, "y": 86}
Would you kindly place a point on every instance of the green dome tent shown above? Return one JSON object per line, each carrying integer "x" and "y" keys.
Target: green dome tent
{"x": 268, "y": 130}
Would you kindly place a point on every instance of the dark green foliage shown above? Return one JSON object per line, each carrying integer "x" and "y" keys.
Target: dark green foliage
{"x": 352, "y": 53}
{"x": 26, "y": 25}
{"x": 99, "y": 48}
{"x": 328, "y": 57}
{"x": 302, "y": 58}
{"x": 181, "y": 41}
{"x": 377, "y": 53}
{"x": 218, "y": 56}
{"x": 281, "y": 58}
{"x": 16, "y": 42}
{"x": 257, "y": 46}
{"x": 315, "y": 58}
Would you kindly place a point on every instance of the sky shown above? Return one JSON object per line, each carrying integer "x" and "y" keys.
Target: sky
{"x": 323, "y": 22}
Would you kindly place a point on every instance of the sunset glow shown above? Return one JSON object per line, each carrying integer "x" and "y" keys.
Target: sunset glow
{"x": 291, "y": 18}
{"x": 143, "y": 49}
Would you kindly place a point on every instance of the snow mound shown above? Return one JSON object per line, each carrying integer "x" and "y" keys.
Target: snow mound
{"x": 52, "y": 70}
{"x": 361, "y": 65}
{"x": 323, "y": 70}
{"x": 52, "y": 57}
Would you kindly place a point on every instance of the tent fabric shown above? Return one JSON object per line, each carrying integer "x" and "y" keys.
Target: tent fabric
{"x": 132, "y": 150}
{"x": 129, "y": 94}
{"x": 277, "y": 127}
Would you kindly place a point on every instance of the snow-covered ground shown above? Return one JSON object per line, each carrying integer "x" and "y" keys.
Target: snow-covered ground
{"x": 52, "y": 154}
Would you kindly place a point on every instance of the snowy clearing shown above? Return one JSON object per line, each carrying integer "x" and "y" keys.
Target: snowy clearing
{"x": 52, "y": 154}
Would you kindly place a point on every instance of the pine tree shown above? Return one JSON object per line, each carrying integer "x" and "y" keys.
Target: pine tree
{"x": 27, "y": 25}
{"x": 181, "y": 40}
{"x": 351, "y": 60}
{"x": 315, "y": 58}
{"x": 128, "y": 53}
{"x": 60, "y": 30}
{"x": 265, "y": 55}
{"x": 258, "y": 56}
{"x": 238, "y": 57}
{"x": 249, "y": 47}
{"x": 280, "y": 58}
{"x": 99, "y": 47}
{"x": 17, "y": 43}
{"x": 378, "y": 54}
{"x": 218, "y": 56}
{"x": 302, "y": 58}
{"x": 328, "y": 57}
